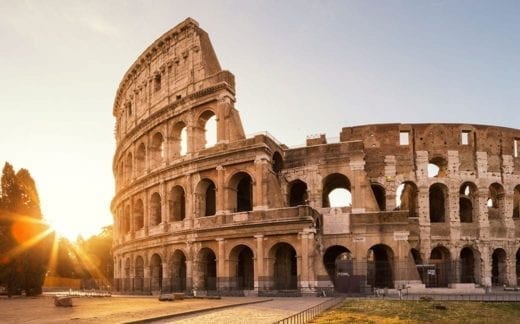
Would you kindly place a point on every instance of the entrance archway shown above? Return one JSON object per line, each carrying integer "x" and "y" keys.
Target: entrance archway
{"x": 242, "y": 268}
{"x": 441, "y": 259}
{"x": 499, "y": 268}
{"x": 380, "y": 266}
{"x": 469, "y": 265}
{"x": 284, "y": 267}
{"x": 206, "y": 274}
{"x": 340, "y": 268}
{"x": 156, "y": 270}
{"x": 178, "y": 274}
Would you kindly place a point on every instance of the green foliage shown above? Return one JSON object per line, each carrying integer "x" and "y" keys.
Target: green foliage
{"x": 98, "y": 249}
{"x": 24, "y": 245}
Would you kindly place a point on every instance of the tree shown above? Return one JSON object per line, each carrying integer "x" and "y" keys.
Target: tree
{"x": 24, "y": 242}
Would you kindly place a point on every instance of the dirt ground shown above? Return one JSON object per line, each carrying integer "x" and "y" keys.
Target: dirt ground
{"x": 102, "y": 309}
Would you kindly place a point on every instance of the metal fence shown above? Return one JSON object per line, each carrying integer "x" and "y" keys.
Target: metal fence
{"x": 310, "y": 313}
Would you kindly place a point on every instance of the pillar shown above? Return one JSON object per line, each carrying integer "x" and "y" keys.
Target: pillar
{"x": 259, "y": 263}
{"x": 221, "y": 280}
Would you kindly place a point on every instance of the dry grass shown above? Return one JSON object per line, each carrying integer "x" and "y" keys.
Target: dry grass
{"x": 393, "y": 311}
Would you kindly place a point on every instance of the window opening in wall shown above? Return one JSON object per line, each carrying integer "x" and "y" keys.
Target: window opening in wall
{"x": 437, "y": 168}
{"x": 516, "y": 202}
{"x": 155, "y": 209}
{"x": 157, "y": 149}
{"x": 277, "y": 162}
{"x": 184, "y": 141}
{"x": 177, "y": 204}
{"x": 211, "y": 131}
{"x": 138, "y": 214}
{"x": 466, "y": 202}
{"x": 298, "y": 193}
{"x": 495, "y": 202}
{"x": 157, "y": 82}
{"x": 129, "y": 109}
{"x": 244, "y": 192}
{"x": 336, "y": 191}
{"x": 210, "y": 204}
{"x": 438, "y": 193}
{"x": 464, "y": 137}
{"x": 515, "y": 148}
{"x": 404, "y": 138}
{"x": 406, "y": 198}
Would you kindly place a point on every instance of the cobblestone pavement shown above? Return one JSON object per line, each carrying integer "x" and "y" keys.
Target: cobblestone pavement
{"x": 267, "y": 312}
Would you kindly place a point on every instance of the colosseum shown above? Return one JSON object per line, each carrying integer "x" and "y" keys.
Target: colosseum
{"x": 202, "y": 208}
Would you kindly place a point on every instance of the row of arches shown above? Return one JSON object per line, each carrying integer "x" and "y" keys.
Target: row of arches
{"x": 174, "y": 274}
{"x": 240, "y": 198}
{"x": 151, "y": 154}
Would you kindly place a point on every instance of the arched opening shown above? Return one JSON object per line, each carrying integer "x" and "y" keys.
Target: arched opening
{"x": 277, "y": 162}
{"x": 438, "y": 198}
{"x": 467, "y": 202}
{"x": 156, "y": 271}
{"x": 407, "y": 198}
{"x": 437, "y": 167}
{"x": 380, "y": 195}
{"x": 242, "y": 268}
{"x": 128, "y": 167}
{"x": 157, "y": 150}
{"x": 518, "y": 267}
{"x": 139, "y": 274}
{"x": 516, "y": 202}
{"x": 121, "y": 174}
{"x": 126, "y": 220}
{"x": 469, "y": 265}
{"x": 179, "y": 139}
{"x": 206, "y": 272}
{"x": 138, "y": 214}
{"x": 207, "y": 129}
{"x": 336, "y": 191}
{"x": 206, "y": 196}
{"x": 297, "y": 193}
{"x": 441, "y": 259}
{"x": 177, "y": 204}
{"x": 380, "y": 272}
{"x": 155, "y": 209}
{"x": 340, "y": 268}
{"x": 140, "y": 157}
{"x": 496, "y": 201}
{"x": 127, "y": 285}
{"x": 285, "y": 275}
{"x": 241, "y": 192}
{"x": 499, "y": 267}
{"x": 178, "y": 271}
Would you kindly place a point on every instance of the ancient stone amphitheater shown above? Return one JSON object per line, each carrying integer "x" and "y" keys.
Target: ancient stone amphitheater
{"x": 200, "y": 209}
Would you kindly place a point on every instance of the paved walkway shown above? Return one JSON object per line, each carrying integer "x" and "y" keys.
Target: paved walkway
{"x": 125, "y": 309}
{"x": 267, "y": 312}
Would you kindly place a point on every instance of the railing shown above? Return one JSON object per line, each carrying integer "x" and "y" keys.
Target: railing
{"x": 310, "y": 313}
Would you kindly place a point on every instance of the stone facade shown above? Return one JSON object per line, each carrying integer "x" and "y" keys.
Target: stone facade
{"x": 251, "y": 214}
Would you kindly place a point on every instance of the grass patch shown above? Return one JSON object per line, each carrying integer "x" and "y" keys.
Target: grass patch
{"x": 395, "y": 311}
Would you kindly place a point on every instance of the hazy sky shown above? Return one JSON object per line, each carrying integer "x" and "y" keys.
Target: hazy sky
{"x": 301, "y": 68}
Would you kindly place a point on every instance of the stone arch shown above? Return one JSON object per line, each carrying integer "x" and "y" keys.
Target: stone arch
{"x": 138, "y": 214}
{"x": 156, "y": 272}
{"x": 157, "y": 150}
{"x": 205, "y": 272}
{"x": 496, "y": 201}
{"x": 499, "y": 267}
{"x": 179, "y": 139}
{"x": 240, "y": 192}
{"x": 140, "y": 159}
{"x": 155, "y": 209}
{"x": 469, "y": 265}
{"x": 207, "y": 121}
{"x": 407, "y": 198}
{"x": 468, "y": 206}
{"x": 139, "y": 274}
{"x": 241, "y": 267}
{"x": 284, "y": 266}
{"x": 516, "y": 202}
{"x": 440, "y": 257}
{"x": 297, "y": 193}
{"x": 277, "y": 162}
{"x": 336, "y": 184}
{"x": 380, "y": 266}
{"x": 380, "y": 195}
{"x": 517, "y": 263}
{"x": 339, "y": 265}
{"x": 206, "y": 198}
{"x": 178, "y": 271}
{"x": 438, "y": 203}
{"x": 127, "y": 285}
{"x": 126, "y": 220}
{"x": 177, "y": 204}
{"x": 437, "y": 167}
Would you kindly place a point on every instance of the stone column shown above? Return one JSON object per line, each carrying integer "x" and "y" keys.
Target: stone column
{"x": 164, "y": 206}
{"x": 306, "y": 237}
{"x": 259, "y": 276}
{"x": 260, "y": 187}
{"x": 424, "y": 220}
{"x": 222, "y": 204}
{"x": 221, "y": 263}
{"x": 483, "y": 220}
{"x": 224, "y": 107}
{"x": 486, "y": 265}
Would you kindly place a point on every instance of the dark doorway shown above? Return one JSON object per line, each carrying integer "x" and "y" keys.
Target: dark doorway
{"x": 178, "y": 267}
{"x": 380, "y": 267}
{"x": 298, "y": 193}
{"x": 285, "y": 268}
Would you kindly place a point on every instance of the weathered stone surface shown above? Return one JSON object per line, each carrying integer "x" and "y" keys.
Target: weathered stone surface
{"x": 253, "y": 214}
{"x": 61, "y": 301}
